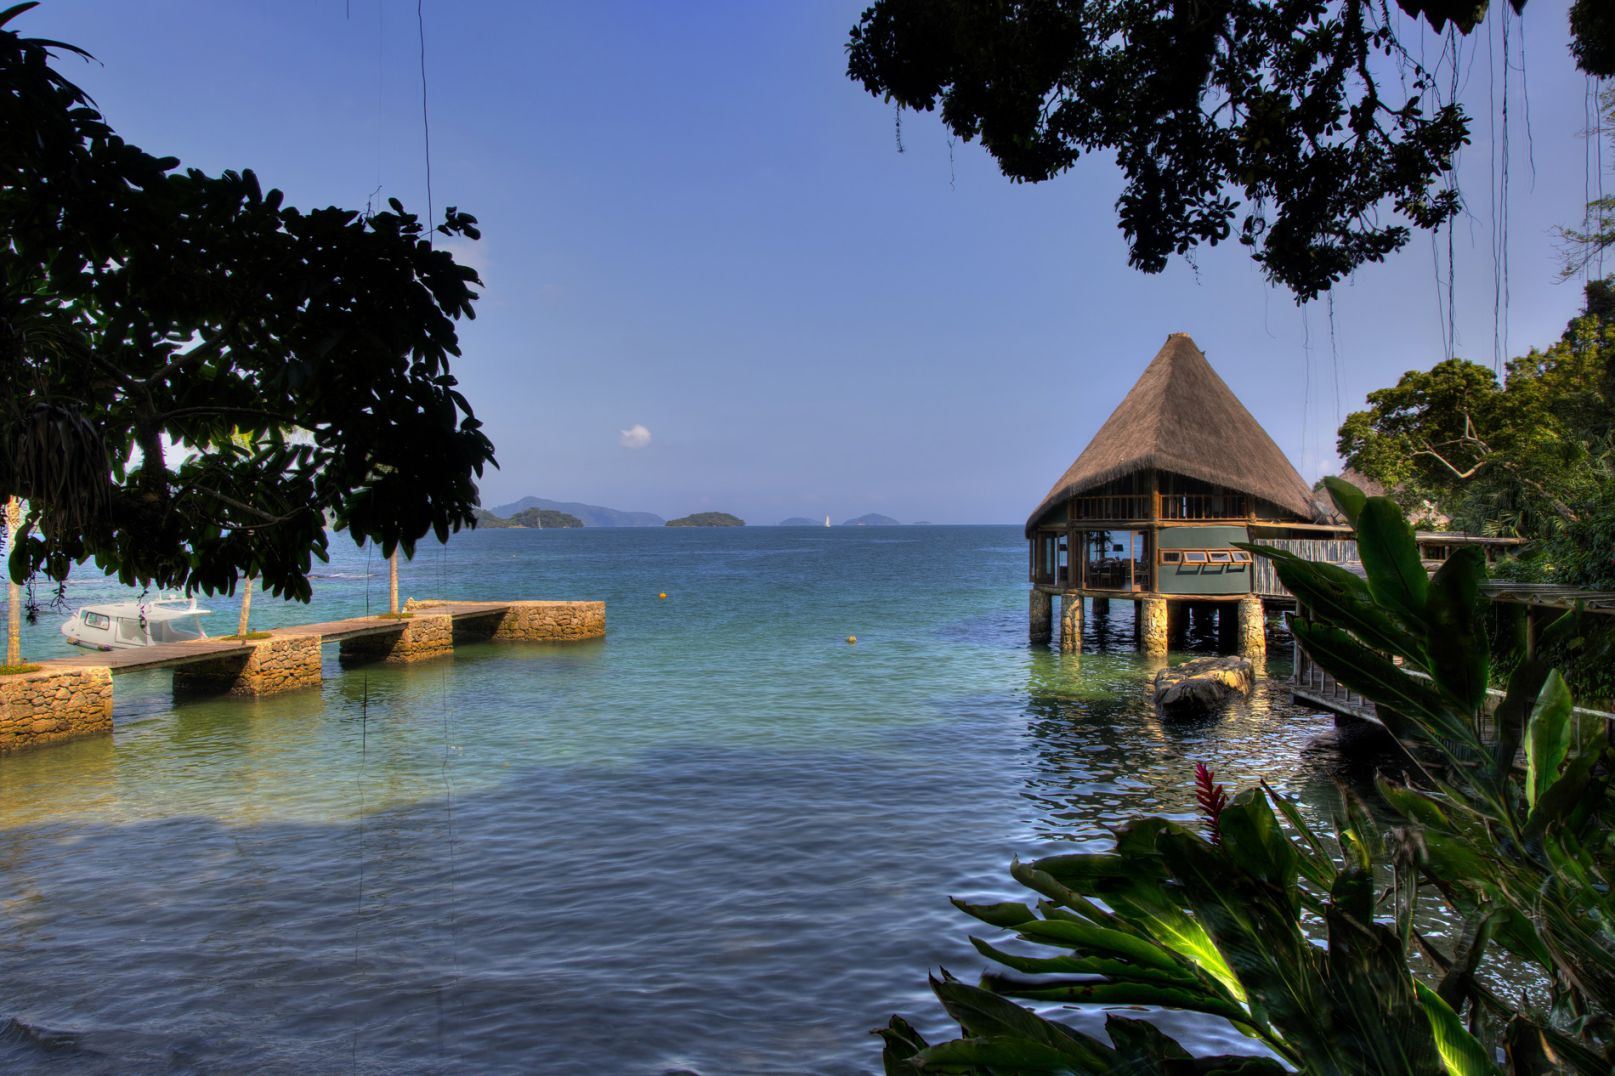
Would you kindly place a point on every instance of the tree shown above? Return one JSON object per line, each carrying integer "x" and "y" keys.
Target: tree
{"x": 1534, "y": 457}
{"x": 1310, "y": 118}
{"x": 146, "y": 310}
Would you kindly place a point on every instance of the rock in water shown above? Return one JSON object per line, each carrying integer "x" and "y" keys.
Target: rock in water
{"x": 1199, "y": 686}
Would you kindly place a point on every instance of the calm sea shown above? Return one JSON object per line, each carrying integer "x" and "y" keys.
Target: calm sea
{"x": 719, "y": 841}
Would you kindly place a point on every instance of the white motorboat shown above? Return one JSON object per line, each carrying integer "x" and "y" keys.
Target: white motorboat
{"x": 120, "y": 625}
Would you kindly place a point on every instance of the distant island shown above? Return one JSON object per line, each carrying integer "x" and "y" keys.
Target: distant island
{"x": 534, "y": 518}
{"x": 592, "y": 515}
{"x": 708, "y": 519}
{"x": 545, "y": 519}
{"x": 799, "y": 521}
{"x": 873, "y": 519}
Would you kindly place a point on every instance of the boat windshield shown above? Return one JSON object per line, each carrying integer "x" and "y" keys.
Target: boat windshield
{"x": 176, "y": 631}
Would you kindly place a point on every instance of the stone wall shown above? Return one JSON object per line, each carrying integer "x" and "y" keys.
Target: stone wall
{"x": 423, "y": 636}
{"x": 526, "y": 621}
{"x": 264, "y": 667}
{"x": 53, "y": 705}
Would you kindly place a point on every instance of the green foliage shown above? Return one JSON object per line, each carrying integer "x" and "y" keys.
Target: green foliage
{"x": 1534, "y": 457}
{"x": 145, "y": 308}
{"x": 545, "y": 518}
{"x": 1315, "y": 119}
{"x": 1308, "y": 943}
{"x": 707, "y": 519}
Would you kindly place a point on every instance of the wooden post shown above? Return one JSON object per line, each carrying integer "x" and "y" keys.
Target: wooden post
{"x": 392, "y": 584}
{"x": 13, "y": 591}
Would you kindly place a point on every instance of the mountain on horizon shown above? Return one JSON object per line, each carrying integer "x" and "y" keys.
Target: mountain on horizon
{"x": 592, "y": 515}
{"x": 799, "y": 521}
{"x": 873, "y": 519}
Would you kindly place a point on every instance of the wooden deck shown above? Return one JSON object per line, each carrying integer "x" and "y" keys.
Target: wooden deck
{"x": 169, "y": 655}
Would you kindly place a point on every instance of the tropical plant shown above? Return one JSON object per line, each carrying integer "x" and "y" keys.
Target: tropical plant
{"x": 1317, "y": 948}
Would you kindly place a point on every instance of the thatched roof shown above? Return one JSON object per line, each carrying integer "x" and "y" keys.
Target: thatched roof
{"x": 1181, "y": 417}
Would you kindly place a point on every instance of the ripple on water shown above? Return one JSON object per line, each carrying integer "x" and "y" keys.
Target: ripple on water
{"x": 721, "y": 840}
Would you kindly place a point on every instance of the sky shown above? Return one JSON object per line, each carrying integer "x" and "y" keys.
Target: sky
{"x": 718, "y": 279}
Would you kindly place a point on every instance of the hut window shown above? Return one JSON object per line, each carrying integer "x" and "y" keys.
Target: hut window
{"x": 1194, "y": 556}
{"x": 1241, "y": 557}
{"x": 1171, "y": 556}
{"x": 1220, "y": 556}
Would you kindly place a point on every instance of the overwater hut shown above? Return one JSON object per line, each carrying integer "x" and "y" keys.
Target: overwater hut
{"x": 1151, "y": 509}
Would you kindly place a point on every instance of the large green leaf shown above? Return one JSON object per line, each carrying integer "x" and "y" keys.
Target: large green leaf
{"x": 1390, "y": 555}
{"x": 1118, "y": 970}
{"x": 1089, "y": 938}
{"x": 1347, "y": 497}
{"x": 1335, "y": 596}
{"x": 1460, "y": 659}
{"x": 1461, "y": 1052}
{"x": 1547, "y": 738}
{"x": 1144, "y": 1048}
{"x": 998, "y": 1053}
{"x": 983, "y": 1014}
{"x": 1383, "y": 683}
{"x": 1005, "y": 914}
{"x": 900, "y": 1042}
{"x": 1253, "y": 839}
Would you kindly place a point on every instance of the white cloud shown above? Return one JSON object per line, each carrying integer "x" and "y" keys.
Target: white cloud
{"x": 635, "y": 436}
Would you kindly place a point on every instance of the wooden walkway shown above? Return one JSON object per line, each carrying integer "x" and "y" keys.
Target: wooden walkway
{"x": 168, "y": 655}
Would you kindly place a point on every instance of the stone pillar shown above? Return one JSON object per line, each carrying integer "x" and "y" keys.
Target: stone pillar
{"x": 54, "y": 705}
{"x": 1040, "y": 616}
{"x": 1070, "y": 622}
{"x": 1153, "y": 626}
{"x": 262, "y": 667}
{"x": 421, "y": 637}
{"x": 1252, "y": 627}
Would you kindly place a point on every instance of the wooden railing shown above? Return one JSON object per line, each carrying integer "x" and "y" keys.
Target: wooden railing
{"x": 1204, "y": 506}
{"x": 1121, "y": 506}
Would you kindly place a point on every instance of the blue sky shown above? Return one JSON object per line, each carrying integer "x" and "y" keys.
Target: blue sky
{"x": 696, "y": 225}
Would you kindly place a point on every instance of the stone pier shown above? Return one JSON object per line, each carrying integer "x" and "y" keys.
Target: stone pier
{"x": 424, "y": 636}
{"x": 1153, "y": 634}
{"x": 524, "y": 621}
{"x": 1041, "y": 617}
{"x": 260, "y": 667}
{"x": 1252, "y": 627}
{"x": 54, "y": 705}
{"x": 1070, "y": 622}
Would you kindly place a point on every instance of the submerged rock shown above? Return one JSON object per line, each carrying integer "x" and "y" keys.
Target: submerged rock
{"x": 1201, "y": 685}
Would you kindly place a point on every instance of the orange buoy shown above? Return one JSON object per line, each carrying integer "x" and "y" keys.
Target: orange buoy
{"x": 852, "y": 638}
{"x": 662, "y": 595}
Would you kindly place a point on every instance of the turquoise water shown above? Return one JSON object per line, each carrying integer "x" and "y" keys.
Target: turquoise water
{"x": 720, "y": 840}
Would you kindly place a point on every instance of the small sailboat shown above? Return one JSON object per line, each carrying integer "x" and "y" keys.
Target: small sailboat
{"x": 121, "y": 625}
{"x": 827, "y": 519}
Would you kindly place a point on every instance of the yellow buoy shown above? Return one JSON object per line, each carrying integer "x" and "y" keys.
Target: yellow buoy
{"x": 852, "y": 638}
{"x": 662, "y": 595}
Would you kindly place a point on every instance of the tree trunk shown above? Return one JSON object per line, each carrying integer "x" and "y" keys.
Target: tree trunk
{"x": 392, "y": 583}
{"x": 13, "y": 591}
{"x": 246, "y": 608}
